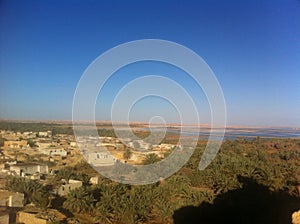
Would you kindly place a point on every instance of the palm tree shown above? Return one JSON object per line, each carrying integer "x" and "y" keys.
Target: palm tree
{"x": 151, "y": 158}
{"x": 163, "y": 210}
{"x": 110, "y": 204}
{"x": 79, "y": 200}
{"x": 127, "y": 154}
{"x": 33, "y": 191}
{"x": 65, "y": 173}
{"x": 36, "y": 193}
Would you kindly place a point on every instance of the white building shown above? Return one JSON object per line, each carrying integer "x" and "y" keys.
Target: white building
{"x": 100, "y": 159}
{"x": 53, "y": 151}
{"x": 43, "y": 145}
{"x": 95, "y": 180}
{"x": 45, "y": 134}
{"x": 73, "y": 144}
{"x": 166, "y": 146}
{"x": 28, "y": 169}
{"x": 67, "y": 187}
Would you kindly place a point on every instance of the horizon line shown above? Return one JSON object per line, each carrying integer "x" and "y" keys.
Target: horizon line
{"x": 66, "y": 121}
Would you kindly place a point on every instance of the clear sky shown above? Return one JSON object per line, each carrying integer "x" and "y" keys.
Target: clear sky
{"x": 253, "y": 47}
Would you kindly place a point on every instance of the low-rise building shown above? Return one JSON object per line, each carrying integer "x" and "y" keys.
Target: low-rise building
{"x": 15, "y": 144}
{"x": 67, "y": 187}
{"x": 166, "y": 146}
{"x": 100, "y": 159}
{"x": 29, "y": 134}
{"x": 73, "y": 144}
{"x": 11, "y": 199}
{"x": 38, "y": 216}
{"x": 28, "y": 169}
{"x": 54, "y": 151}
{"x": 45, "y": 134}
{"x": 95, "y": 180}
{"x": 43, "y": 145}
{"x": 9, "y": 135}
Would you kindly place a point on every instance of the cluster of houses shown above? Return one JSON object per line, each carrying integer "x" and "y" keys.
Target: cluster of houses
{"x": 30, "y": 170}
{"x": 94, "y": 149}
{"x": 11, "y": 135}
{"x": 98, "y": 151}
{"x": 12, "y": 210}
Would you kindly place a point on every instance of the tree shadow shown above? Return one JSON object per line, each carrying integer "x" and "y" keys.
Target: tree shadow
{"x": 253, "y": 204}
{"x": 57, "y": 203}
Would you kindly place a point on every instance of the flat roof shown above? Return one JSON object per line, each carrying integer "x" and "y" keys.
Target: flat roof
{"x": 5, "y": 194}
{"x": 28, "y": 164}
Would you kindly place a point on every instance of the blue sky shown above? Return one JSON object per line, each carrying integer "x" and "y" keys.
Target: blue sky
{"x": 253, "y": 47}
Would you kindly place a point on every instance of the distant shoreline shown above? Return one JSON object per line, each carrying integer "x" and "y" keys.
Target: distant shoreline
{"x": 203, "y": 131}
{"x": 142, "y": 124}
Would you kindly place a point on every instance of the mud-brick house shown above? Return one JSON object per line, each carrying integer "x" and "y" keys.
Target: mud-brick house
{"x": 54, "y": 151}
{"x": 100, "y": 159}
{"x": 15, "y": 144}
{"x": 29, "y": 169}
{"x": 69, "y": 186}
{"x": 38, "y": 216}
{"x": 10, "y": 202}
{"x": 11, "y": 199}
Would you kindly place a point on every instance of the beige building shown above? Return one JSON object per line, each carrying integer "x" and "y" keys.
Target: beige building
{"x": 45, "y": 134}
{"x": 37, "y": 216}
{"x": 73, "y": 144}
{"x": 67, "y": 187}
{"x": 54, "y": 151}
{"x": 27, "y": 169}
{"x": 11, "y": 199}
{"x": 95, "y": 180}
{"x": 15, "y": 144}
{"x": 100, "y": 159}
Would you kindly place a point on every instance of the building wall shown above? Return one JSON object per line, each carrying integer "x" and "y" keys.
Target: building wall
{"x": 15, "y": 169}
{"x": 30, "y": 169}
{"x": 43, "y": 144}
{"x": 73, "y": 144}
{"x": 66, "y": 188}
{"x": 15, "y": 144}
{"x": 95, "y": 180}
{"x": 11, "y": 199}
{"x": 43, "y": 134}
{"x": 16, "y": 200}
{"x": 29, "y": 218}
{"x": 4, "y": 218}
{"x": 43, "y": 169}
{"x": 101, "y": 159}
{"x": 55, "y": 152}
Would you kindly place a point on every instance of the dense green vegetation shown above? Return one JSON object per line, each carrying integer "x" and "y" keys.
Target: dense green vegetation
{"x": 36, "y": 127}
{"x": 271, "y": 163}
{"x": 151, "y": 158}
{"x": 33, "y": 191}
{"x": 67, "y": 128}
{"x": 68, "y": 173}
{"x": 274, "y": 164}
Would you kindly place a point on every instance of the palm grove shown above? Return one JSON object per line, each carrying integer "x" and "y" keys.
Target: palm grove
{"x": 273, "y": 163}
